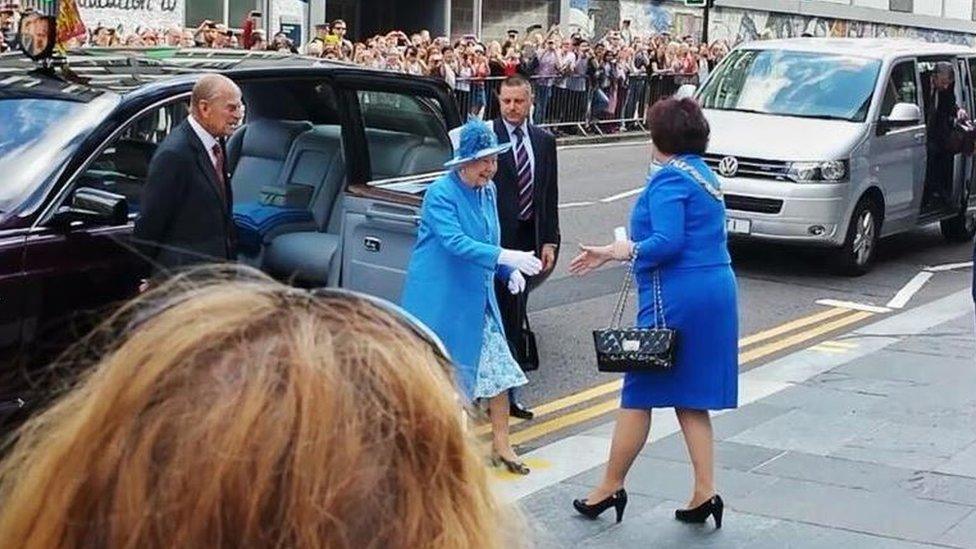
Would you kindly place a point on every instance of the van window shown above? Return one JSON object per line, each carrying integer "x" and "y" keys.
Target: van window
{"x": 900, "y": 87}
{"x": 406, "y": 134}
{"x": 793, "y": 83}
{"x": 123, "y": 165}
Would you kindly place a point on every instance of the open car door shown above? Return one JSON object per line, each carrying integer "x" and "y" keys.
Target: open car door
{"x": 399, "y": 141}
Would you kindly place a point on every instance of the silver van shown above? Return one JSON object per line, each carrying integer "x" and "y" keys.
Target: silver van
{"x": 823, "y": 142}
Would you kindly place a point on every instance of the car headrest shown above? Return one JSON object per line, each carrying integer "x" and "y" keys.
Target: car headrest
{"x": 271, "y": 138}
{"x": 132, "y": 157}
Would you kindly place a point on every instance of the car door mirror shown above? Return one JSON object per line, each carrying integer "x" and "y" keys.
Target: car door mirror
{"x": 93, "y": 207}
{"x": 685, "y": 91}
{"x": 902, "y": 115}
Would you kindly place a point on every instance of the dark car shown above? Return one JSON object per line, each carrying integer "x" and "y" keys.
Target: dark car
{"x": 339, "y": 155}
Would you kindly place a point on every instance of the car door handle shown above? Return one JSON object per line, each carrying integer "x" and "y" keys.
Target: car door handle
{"x": 920, "y": 135}
{"x": 410, "y": 219}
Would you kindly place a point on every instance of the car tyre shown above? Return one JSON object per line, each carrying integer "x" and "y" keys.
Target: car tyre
{"x": 856, "y": 256}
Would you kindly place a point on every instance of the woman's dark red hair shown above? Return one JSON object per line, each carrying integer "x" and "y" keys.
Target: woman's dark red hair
{"x": 678, "y": 126}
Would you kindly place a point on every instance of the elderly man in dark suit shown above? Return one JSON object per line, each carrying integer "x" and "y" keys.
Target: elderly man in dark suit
{"x": 186, "y": 203}
{"x": 527, "y": 202}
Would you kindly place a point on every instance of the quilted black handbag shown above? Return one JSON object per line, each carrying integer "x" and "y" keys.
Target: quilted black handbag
{"x": 636, "y": 349}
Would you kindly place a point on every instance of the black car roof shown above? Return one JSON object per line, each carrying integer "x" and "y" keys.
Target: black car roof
{"x": 86, "y": 72}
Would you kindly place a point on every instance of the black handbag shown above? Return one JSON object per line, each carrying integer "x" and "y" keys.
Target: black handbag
{"x": 636, "y": 349}
{"x": 528, "y": 357}
{"x": 961, "y": 138}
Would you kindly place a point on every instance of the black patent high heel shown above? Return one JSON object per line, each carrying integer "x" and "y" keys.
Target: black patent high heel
{"x": 515, "y": 467}
{"x": 617, "y": 500}
{"x": 714, "y": 507}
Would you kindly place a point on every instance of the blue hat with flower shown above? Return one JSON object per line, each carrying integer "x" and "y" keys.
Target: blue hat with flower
{"x": 477, "y": 140}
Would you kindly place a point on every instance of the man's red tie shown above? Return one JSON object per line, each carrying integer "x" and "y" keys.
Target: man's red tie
{"x": 219, "y": 167}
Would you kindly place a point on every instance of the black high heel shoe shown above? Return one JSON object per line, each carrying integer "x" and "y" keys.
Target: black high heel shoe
{"x": 617, "y": 500}
{"x": 515, "y": 467}
{"x": 713, "y": 507}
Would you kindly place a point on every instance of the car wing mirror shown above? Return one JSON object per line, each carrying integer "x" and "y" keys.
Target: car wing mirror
{"x": 93, "y": 207}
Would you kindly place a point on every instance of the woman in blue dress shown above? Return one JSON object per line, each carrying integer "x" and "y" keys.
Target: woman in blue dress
{"x": 678, "y": 231}
{"x": 450, "y": 279}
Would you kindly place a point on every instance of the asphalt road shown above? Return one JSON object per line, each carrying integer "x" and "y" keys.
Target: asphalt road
{"x": 777, "y": 284}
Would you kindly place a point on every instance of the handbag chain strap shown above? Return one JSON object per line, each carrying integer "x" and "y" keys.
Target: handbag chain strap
{"x": 618, "y": 310}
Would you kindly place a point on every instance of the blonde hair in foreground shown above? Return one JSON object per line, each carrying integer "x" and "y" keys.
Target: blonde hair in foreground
{"x": 244, "y": 413}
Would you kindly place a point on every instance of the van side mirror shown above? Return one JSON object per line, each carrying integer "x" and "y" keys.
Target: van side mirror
{"x": 905, "y": 113}
{"x": 902, "y": 115}
{"x": 685, "y": 91}
{"x": 93, "y": 207}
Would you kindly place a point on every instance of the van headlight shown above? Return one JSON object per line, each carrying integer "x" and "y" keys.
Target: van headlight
{"x": 812, "y": 172}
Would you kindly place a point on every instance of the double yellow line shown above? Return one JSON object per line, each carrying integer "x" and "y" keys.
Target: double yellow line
{"x": 751, "y": 348}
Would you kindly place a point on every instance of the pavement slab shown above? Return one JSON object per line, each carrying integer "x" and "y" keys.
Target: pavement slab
{"x": 656, "y": 527}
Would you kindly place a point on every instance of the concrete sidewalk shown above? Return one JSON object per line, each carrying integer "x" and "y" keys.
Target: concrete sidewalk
{"x": 868, "y": 442}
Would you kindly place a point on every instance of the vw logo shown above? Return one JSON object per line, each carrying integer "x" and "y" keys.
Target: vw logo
{"x": 728, "y": 166}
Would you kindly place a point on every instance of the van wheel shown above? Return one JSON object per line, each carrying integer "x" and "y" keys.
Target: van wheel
{"x": 856, "y": 256}
{"x": 961, "y": 228}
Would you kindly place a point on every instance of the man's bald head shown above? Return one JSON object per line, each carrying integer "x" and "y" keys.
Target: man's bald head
{"x": 211, "y": 86}
{"x": 216, "y": 104}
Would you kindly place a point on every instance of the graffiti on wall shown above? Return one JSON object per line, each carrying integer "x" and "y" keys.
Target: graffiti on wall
{"x": 737, "y": 26}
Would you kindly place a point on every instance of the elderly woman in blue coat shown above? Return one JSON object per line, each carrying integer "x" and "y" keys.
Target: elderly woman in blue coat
{"x": 450, "y": 279}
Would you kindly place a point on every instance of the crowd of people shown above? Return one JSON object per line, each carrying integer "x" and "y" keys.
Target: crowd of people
{"x": 577, "y": 79}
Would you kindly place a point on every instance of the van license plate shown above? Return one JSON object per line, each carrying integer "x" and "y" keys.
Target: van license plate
{"x": 738, "y": 226}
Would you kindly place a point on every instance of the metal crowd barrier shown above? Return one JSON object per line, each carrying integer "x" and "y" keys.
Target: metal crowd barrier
{"x": 574, "y": 104}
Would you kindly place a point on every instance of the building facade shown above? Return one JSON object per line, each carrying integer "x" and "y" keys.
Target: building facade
{"x": 295, "y": 16}
{"x": 732, "y": 20}
{"x": 743, "y": 20}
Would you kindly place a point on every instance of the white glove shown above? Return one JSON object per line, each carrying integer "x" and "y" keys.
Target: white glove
{"x": 516, "y": 283}
{"x": 526, "y": 262}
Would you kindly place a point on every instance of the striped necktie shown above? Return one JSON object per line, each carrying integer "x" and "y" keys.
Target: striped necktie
{"x": 523, "y": 169}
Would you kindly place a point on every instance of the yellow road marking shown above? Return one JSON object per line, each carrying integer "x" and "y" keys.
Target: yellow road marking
{"x": 604, "y": 407}
{"x": 791, "y": 326}
{"x": 564, "y": 402}
{"x": 534, "y": 464}
{"x": 573, "y": 418}
{"x": 608, "y": 388}
{"x": 837, "y": 344}
{"x": 791, "y": 341}
{"x": 829, "y": 350}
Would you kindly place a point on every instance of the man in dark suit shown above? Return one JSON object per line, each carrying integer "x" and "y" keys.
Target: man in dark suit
{"x": 943, "y": 112}
{"x": 185, "y": 217}
{"x": 528, "y": 199}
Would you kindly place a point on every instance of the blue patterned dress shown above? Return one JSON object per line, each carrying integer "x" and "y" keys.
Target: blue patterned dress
{"x": 498, "y": 371}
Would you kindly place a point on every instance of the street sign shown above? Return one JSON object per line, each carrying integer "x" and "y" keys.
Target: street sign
{"x": 696, "y": 3}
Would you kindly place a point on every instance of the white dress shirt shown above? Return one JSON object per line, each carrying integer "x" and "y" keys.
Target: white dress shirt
{"x": 527, "y": 143}
{"x": 206, "y": 138}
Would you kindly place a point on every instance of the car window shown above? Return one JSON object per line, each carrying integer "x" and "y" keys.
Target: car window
{"x": 123, "y": 165}
{"x": 406, "y": 134}
{"x": 900, "y": 87}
